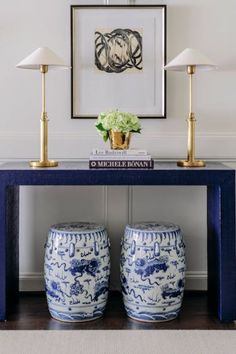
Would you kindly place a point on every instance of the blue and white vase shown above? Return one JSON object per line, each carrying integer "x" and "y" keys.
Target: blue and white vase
{"x": 152, "y": 271}
{"x": 77, "y": 269}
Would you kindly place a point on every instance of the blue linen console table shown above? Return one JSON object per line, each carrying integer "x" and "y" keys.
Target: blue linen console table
{"x": 218, "y": 178}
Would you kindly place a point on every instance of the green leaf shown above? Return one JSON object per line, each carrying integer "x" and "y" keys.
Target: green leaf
{"x": 100, "y": 127}
{"x": 136, "y": 131}
{"x": 105, "y": 137}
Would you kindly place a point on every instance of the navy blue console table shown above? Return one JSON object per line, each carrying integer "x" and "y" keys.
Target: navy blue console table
{"x": 220, "y": 182}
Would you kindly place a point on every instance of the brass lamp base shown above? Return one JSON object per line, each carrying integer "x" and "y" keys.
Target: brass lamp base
{"x": 48, "y": 163}
{"x": 188, "y": 163}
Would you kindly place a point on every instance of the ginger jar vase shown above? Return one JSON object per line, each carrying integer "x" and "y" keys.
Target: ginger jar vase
{"x": 76, "y": 271}
{"x": 152, "y": 271}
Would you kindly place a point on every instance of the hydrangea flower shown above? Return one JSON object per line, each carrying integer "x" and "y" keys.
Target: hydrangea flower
{"x": 123, "y": 122}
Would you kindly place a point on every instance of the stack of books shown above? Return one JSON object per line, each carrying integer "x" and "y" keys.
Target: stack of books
{"x": 129, "y": 159}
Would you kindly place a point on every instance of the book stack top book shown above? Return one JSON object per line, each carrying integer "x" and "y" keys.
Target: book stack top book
{"x": 112, "y": 152}
{"x": 106, "y": 158}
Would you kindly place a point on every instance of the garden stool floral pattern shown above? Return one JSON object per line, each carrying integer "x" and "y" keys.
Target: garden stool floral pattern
{"x": 152, "y": 271}
{"x": 77, "y": 270}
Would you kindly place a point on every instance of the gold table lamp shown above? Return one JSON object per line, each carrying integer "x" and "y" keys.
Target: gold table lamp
{"x": 42, "y": 59}
{"x": 189, "y": 61}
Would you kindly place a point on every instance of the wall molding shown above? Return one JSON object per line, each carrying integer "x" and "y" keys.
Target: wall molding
{"x": 74, "y": 135}
{"x": 195, "y": 280}
{"x": 78, "y": 145}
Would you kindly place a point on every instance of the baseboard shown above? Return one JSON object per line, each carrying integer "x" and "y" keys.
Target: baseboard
{"x": 31, "y": 282}
{"x": 195, "y": 280}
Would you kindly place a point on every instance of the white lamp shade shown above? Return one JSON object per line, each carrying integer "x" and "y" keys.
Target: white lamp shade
{"x": 190, "y": 57}
{"x": 42, "y": 56}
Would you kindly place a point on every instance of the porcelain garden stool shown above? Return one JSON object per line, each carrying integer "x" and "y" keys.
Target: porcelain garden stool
{"x": 152, "y": 271}
{"x": 77, "y": 269}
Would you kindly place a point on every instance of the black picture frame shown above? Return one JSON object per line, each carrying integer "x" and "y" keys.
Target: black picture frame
{"x": 81, "y": 97}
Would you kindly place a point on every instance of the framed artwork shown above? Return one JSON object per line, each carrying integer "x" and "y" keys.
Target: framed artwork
{"x": 117, "y": 58}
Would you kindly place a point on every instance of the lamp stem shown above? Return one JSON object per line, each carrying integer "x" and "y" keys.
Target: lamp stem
{"x": 191, "y": 137}
{"x": 191, "y": 162}
{"x": 191, "y": 119}
{"x": 44, "y": 119}
{"x": 190, "y": 73}
{"x": 43, "y": 162}
{"x": 43, "y": 70}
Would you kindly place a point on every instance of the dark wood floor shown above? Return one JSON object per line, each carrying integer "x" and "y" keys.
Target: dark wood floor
{"x": 31, "y": 313}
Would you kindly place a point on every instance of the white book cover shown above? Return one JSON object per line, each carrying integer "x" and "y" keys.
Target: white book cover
{"x": 120, "y": 157}
{"x": 110, "y": 152}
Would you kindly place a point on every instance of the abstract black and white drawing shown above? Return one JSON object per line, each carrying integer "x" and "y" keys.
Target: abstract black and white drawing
{"x": 117, "y": 60}
{"x": 118, "y": 50}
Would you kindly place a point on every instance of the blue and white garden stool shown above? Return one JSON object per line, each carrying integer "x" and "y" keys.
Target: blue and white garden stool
{"x": 77, "y": 269}
{"x": 152, "y": 271}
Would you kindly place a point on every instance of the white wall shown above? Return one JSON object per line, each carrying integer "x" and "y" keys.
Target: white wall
{"x": 208, "y": 25}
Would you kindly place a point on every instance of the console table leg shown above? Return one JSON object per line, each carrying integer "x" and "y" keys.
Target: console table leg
{"x": 221, "y": 249}
{"x": 9, "y": 247}
{"x": 213, "y": 237}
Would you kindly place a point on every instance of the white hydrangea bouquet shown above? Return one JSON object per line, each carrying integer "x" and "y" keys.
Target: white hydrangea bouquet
{"x": 116, "y": 121}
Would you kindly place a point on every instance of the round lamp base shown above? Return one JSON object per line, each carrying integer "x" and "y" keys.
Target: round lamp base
{"x": 195, "y": 163}
{"x": 49, "y": 163}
